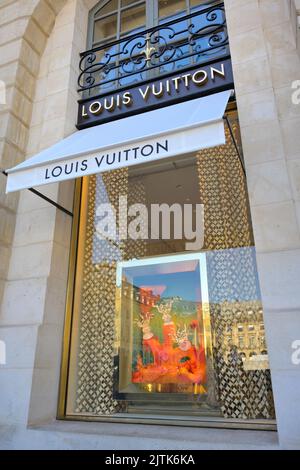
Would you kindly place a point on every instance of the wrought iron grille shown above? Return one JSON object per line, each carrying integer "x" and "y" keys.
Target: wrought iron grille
{"x": 179, "y": 44}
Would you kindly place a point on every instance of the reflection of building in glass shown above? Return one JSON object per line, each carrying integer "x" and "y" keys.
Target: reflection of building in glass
{"x": 245, "y": 329}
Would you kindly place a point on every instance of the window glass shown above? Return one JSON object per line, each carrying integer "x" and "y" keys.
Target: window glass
{"x": 197, "y": 3}
{"x": 171, "y": 7}
{"x": 178, "y": 47}
{"x": 105, "y": 28}
{"x": 151, "y": 315}
{"x": 107, "y": 8}
{"x": 133, "y": 18}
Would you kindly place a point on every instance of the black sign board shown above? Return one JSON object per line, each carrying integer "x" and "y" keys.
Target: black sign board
{"x": 198, "y": 81}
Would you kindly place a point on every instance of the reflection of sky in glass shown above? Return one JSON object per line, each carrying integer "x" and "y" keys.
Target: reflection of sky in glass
{"x": 231, "y": 276}
{"x": 199, "y": 21}
{"x": 179, "y": 284}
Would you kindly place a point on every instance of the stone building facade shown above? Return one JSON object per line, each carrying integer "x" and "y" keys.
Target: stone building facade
{"x": 39, "y": 45}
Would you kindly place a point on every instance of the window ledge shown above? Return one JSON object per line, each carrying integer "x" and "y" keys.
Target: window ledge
{"x": 96, "y": 435}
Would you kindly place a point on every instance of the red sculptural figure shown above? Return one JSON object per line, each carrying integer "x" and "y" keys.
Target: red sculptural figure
{"x": 175, "y": 359}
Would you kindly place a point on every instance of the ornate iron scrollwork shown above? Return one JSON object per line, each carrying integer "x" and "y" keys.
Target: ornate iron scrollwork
{"x": 178, "y": 44}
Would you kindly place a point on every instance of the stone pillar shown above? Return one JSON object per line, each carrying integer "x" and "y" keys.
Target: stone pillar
{"x": 41, "y": 110}
{"x": 265, "y": 60}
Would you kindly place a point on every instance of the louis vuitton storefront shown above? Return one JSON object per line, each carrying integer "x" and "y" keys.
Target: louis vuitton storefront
{"x": 153, "y": 296}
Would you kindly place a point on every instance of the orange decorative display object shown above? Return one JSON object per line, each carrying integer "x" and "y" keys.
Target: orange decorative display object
{"x": 175, "y": 358}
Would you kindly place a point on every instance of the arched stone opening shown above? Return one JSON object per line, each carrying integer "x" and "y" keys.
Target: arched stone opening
{"x": 35, "y": 278}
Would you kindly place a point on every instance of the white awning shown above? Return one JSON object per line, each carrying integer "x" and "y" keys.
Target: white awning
{"x": 165, "y": 132}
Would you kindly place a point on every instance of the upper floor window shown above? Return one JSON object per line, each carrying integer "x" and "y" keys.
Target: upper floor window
{"x": 130, "y": 41}
{"x": 111, "y": 20}
{"x": 114, "y": 19}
